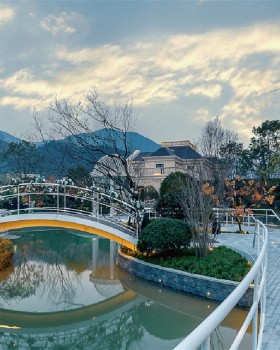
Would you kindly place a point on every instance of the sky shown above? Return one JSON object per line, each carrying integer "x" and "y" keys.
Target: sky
{"x": 182, "y": 63}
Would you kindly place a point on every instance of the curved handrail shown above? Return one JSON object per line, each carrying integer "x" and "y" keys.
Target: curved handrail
{"x": 101, "y": 206}
{"x": 200, "y": 337}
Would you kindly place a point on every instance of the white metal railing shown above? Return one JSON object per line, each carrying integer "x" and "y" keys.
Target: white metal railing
{"x": 269, "y": 217}
{"x": 60, "y": 198}
{"x": 201, "y": 336}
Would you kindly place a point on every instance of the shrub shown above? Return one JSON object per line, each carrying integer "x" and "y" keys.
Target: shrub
{"x": 6, "y": 253}
{"x": 145, "y": 221}
{"x": 163, "y": 235}
{"x": 222, "y": 262}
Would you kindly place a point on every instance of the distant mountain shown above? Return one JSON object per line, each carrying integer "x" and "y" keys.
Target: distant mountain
{"x": 67, "y": 153}
{"x": 63, "y": 154}
{"x": 135, "y": 140}
{"x": 4, "y": 136}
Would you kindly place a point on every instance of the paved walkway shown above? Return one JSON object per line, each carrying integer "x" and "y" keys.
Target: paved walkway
{"x": 271, "y": 337}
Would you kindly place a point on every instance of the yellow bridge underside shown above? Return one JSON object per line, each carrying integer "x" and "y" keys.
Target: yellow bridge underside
{"x": 5, "y": 226}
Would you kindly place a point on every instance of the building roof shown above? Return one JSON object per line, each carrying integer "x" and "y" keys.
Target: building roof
{"x": 183, "y": 152}
{"x": 140, "y": 156}
{"x": 162, "y": 152}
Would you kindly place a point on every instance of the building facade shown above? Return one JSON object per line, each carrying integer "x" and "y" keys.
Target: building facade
{"x": 152, "y": 168}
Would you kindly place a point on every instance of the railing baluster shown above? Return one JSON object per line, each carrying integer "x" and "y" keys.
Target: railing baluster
{"x": 255, "y": 317}
{"x": 57, "y": 198}
{"x": 206, "y": 344}
{"x": 18, "y": 200}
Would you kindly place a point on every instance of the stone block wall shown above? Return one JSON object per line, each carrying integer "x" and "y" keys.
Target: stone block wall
{"x": 203, "y": 286}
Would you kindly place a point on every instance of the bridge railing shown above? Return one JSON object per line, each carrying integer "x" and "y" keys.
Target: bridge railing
{"x": 202, "y": 336}
{"x": 59, "y": 198}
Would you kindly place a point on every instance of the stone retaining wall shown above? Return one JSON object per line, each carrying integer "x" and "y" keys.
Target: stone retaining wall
{"x": 203, "y": 286}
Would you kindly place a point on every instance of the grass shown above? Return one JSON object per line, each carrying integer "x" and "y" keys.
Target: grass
{"x": 221, "y": 262}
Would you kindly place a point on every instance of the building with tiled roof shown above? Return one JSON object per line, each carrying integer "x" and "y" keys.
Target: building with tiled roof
{"x": 170, "y": 157}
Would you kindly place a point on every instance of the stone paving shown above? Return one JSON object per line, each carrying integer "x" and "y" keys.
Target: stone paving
{"x": 271, "y": 336}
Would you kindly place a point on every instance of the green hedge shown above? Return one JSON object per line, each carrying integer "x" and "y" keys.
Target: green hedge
{"x": 222, "y": 263}
{"x": 163, "y": 235}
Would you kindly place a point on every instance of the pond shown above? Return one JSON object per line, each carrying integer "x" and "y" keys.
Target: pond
{"x": 65, "y": 291}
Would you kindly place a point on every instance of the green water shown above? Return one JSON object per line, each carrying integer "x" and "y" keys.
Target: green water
{"x": 65, "y": 291}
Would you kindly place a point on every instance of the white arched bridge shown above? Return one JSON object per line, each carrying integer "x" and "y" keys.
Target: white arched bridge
{"x": 59, "y": 205}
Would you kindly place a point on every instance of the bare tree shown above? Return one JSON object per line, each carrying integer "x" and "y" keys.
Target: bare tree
{"x": 213, "y": 137}
{"x": 76, "y": 125}
{"x": 197, "y": 198}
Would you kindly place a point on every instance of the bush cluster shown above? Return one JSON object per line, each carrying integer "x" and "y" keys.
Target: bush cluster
{"x": 6, "y": 253}
{"x": 164, "y": 235}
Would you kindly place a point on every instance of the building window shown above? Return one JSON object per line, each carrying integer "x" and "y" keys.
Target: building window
{"x": 160, "y": 166}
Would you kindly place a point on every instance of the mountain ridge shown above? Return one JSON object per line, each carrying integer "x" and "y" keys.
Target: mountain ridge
{"x": 136, "y": 140}
{"x": 6, "y": 137}
{"x": 65, "y": 153}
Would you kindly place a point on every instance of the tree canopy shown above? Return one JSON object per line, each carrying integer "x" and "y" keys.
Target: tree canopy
{"x": 23, "y": 157}
{"x": 264, "y": 150}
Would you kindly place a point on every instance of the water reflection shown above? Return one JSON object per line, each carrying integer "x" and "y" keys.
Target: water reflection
{"x": 51, "y": 272}
{"x": 93, "y": 304}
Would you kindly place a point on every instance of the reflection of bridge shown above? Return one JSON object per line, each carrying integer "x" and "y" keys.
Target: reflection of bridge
{"x": 83, "y": 209}
{"x": 26, "y": 320}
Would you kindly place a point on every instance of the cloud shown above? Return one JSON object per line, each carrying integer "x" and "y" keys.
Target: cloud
{"x": 19, "y": 103}
{"x": 210, "y": 90}
{"x": 203, "y": 60}
{"x": 60, "y": 24}
{"x": 6, "y": 14}
{"x": 233, "y": 68}
{"x": 24, "y": 83}
{"x": 202, "y": 115}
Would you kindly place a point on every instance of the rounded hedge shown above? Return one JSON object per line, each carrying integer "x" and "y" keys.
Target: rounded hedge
{"x": 163, "y": 235}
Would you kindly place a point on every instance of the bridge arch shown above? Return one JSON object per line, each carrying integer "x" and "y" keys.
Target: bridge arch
{"x": 64, "y": 220}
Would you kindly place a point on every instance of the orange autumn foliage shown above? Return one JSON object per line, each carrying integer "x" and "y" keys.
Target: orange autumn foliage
{"x": 6, "y": 253}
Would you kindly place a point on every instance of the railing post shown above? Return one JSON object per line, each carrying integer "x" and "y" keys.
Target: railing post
{"x": 258, "y": 234}
{"x": 29, "y": 203}
{"x": 97, "y": 205}
{"x": 226, "y": 217}
{"x": 206, "y": 344}
{"x": 255, "y": 297}
{"x": 57, "y": 198}
{"x": 263, "y": 307}
{"x": 18, "y": 199}
{"x": 255, "y": 318}
{"x": 64, "y": 199}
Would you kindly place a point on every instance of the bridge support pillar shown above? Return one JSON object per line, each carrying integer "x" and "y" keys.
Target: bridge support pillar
{"x": 95, "y": 247}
